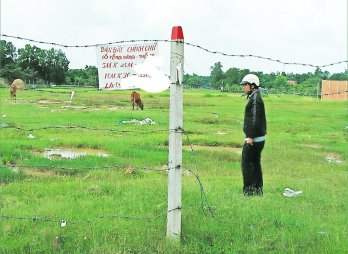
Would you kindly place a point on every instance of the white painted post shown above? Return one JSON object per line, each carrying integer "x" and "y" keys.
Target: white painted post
{"x": 175, "y": 134}
{"x": 72, "y": 95}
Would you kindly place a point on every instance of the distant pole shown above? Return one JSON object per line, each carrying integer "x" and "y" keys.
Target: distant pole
{"x": 318, "y": 90}
{"x": 175, "y": 134}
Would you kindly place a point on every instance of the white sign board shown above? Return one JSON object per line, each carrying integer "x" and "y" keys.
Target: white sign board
{"x": 117, "y": 62}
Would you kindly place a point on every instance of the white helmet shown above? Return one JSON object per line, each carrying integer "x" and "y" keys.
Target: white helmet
{"x": 251, "y": 79}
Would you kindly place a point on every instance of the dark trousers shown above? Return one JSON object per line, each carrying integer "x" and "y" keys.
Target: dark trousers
{"x": 251, "y": 168}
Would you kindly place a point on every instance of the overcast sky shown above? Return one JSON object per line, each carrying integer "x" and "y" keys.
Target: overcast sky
{"x": 304, "y": 31}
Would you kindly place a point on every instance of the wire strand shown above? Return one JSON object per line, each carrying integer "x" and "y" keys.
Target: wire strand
{"x": 186, "y": 43}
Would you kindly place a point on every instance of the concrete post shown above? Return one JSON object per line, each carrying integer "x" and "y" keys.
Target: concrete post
{"x": 175, "y": 134}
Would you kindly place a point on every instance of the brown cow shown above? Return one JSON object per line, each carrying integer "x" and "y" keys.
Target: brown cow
{"x": 13, "y": 91}
{"x": 136, "y": 101}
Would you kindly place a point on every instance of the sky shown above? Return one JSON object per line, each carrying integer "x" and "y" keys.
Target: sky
{"x": 302, "y": 31}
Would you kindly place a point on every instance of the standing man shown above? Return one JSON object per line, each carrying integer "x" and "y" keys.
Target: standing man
{"x": 255, "y": 129}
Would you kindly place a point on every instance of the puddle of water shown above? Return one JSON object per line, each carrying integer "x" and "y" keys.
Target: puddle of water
{"x": 72, "y": 153}
{"x": 332, "y": 159}
{"x": 45, "y": 102}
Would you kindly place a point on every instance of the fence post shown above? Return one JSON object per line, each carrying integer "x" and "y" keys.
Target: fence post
{"x": 175, "y": 134}
{"x": 318, "y": 90}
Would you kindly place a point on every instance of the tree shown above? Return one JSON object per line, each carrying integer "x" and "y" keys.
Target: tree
{"x": 10, "y": 72}
{"x": 311, "y": 82}
{"x": 28, "y": 57}
{"x": 302, "y": 77}
{"x": 57, "y": 65}
{"x": 50, "y": 65}
{"x": 321, "y": 74}
{"x": 8, "y": 53}
{"x": 340, "y": 76}
{"x": 193, "y": 81}
{"x": 217, "y": 75}
{"x": 281, "y": 83}
{"x": 309, "y": 86}
{"x": 233, "y": 76}
{"x": 83, "y": 77}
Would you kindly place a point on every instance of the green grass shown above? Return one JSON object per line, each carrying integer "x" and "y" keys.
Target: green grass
{"x": 110, "y": 211}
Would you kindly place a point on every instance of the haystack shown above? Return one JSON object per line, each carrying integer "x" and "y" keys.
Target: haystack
{"x": 19, "y": 84}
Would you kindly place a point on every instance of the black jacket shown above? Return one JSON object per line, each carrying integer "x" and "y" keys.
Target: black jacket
{"x": 255, "y": 117}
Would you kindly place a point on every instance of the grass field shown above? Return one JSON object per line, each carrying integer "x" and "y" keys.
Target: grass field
{"x": 118, "y": 203}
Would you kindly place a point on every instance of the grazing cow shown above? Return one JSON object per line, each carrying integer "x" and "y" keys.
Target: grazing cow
{"x": 13, "y": 91}
{"x": 136, "y": 101}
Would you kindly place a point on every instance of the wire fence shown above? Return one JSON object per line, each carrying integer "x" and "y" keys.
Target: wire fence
{"x": 65, "y": 127}
{"x": 169, "y": 41}
{"x": 268, "y": 91}
{"x": 204, "y": 200}
{"x": 57, "y": 90}
{"x": 205, "y": 207}
{"x": 63, "y": 222}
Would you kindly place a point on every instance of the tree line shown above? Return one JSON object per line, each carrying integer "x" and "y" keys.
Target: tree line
{"x": 35, "y": 65}
{"x": 305, "y": 83}
{"x": 40, "y": 66}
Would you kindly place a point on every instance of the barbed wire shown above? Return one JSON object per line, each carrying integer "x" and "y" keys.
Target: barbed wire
{"x": 277, "y": 92}
{"x": 85, "y": 128}
{"x": 335, "y": 93}
{"x": 268, "y": 92}
{"x": 120, "y": 167}
{"x": 41, "y": 167}
{"x": 204, "y": 202}
{"x": 64, "y": 222}
{"x": 178, "y": 41}
{"x": 203, "y": 195}
{"x": 62, "y": 92}
{"x": 74, "y": 87}
{"x": 178, "y": 130}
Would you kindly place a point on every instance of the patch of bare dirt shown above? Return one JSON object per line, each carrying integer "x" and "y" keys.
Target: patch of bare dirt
{"x": 46, "y": 102}
{"x": 213, "y": 148}
{"x": 39, "y": 172}
{"x": 315, "y": 146}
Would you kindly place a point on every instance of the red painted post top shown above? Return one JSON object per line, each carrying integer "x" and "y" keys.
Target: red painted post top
{"x": 177, "y": 33}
